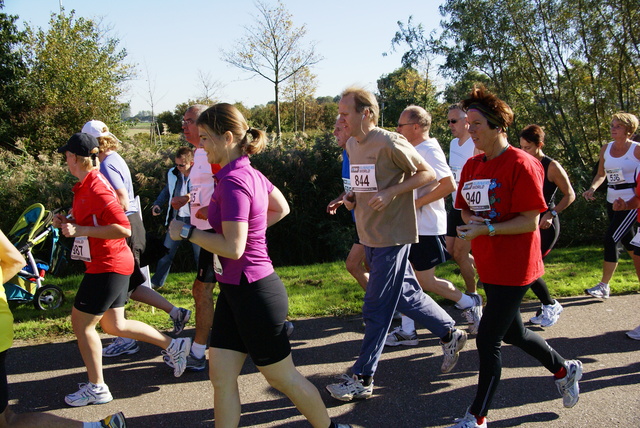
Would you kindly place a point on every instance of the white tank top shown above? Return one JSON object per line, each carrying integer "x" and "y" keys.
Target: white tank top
{"x": 620, "y": 172}
{"x": 458, "y": 156}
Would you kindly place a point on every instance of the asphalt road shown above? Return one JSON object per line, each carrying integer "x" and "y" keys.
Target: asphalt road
{"x": 410, "y": 390}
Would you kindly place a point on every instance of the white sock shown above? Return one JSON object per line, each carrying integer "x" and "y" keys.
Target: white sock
{"x": 174, "y": 312}
{"x": 465, "y": 301}
{"x": 198, "y": 350}
{"x": 408, "y": 325}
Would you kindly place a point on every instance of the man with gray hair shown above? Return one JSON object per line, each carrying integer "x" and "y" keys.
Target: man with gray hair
{"x": 385, "y": 169}
{"x": 414, "y": 124}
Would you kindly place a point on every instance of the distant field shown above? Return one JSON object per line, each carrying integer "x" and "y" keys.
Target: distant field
{"x": 138, "y": 128}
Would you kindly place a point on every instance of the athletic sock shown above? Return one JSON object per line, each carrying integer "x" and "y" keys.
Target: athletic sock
{"x": 366, "y": 380}
{"x": 174, "y": 312}
{"x": 560, "y": 373}
{"x": 198, "y": 350}
{"x": 408, "y": 325}
{"x": 465, "y": 301}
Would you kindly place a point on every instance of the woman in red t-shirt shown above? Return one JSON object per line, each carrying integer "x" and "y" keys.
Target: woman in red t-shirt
{"x": 100, "y": 226}
{"x": 500, "y": 195}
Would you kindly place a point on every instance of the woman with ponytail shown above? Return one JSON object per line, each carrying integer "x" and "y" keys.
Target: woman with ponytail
{"x": 252, "y": 304}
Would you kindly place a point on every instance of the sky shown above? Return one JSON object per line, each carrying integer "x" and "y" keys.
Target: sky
{"x": 171, "y": 43}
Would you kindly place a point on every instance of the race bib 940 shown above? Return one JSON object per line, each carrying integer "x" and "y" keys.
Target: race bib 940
{"x": 476, "y": 194}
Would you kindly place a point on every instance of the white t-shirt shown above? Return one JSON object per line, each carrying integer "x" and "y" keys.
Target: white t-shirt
{"x": 202, "y": 184}
{"x": 432, "y": 218}
{"x": 458, "y": 156}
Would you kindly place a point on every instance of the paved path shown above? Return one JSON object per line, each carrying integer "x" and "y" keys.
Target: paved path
{"x": 410, "y": 390}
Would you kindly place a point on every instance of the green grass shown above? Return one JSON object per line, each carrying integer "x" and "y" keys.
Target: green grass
{"x": 324, "y": 289}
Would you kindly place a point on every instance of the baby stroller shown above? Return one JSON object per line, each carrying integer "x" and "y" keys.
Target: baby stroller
{"x": 32, "y": 228}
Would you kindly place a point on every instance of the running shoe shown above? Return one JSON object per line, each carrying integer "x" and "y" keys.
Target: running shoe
{"x": 601, "y": 291}
{"x": 120, "y": 346}
{"x": 195, "y": 364}
{"x": 114, "y": 421}
{"x": 181, "y": 320}
{"x": 350, "y": 388}
{"x": 469, "y": 421}
{"x": 343, "y": 426}
{"x": 397, "y": 337}
{"x": 548, "y": 316}
{"x": 176, "y": 355}
{"x": 89, "y": 394}
{"x": 288, "y": 325}
{"x": 568, "y": 385}
{"x": 634, "y": 334}
{"x": 451, "y": 350}
{"x": 473, "y": 315}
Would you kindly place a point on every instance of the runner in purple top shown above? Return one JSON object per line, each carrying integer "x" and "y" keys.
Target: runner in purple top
{"x": 252, "y": 304}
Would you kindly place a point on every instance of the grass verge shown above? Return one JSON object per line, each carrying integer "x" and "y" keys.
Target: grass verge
{"x": 324, "y": 289}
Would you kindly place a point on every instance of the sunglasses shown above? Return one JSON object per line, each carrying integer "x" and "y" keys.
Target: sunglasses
{"x": 454, "y": 121}
{"x": 181, "y": 165}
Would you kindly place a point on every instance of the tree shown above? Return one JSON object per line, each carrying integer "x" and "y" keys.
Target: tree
{"x": 273, "y": 49}
{"x": 301, "y": 88}
{"x": 404, "y": 87}
{"x": 75, "y": 73}
{"x": 12, "y": 73}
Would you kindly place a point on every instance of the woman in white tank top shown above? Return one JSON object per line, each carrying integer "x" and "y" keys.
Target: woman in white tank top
{"x": 618, "y": 162}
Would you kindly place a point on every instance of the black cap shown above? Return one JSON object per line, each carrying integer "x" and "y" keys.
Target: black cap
{"x": 80, "y": 144}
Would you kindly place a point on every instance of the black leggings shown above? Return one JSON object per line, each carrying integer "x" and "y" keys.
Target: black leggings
{"x": 548, "y": 239}
{"x": 500, "y": 322}
{"x": 4, "y": 387}
{"x": 620, "y": 232}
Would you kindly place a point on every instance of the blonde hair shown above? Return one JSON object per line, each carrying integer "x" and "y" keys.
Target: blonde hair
{"x": 364, "y": 100}
{"x": 223, "y": 117}
{"x": 89, "y": 162}
{"x": 630, "y": 121}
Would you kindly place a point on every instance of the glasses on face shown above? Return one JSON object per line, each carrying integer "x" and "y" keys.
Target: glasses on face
{"x": 454, "y": 121}
{"x": 187, "y": 122}
{"x": 403, "y": 124}
{"x": 181, "y": 165}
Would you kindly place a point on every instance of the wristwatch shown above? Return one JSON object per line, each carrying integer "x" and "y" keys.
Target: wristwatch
{"x": 186, "y": 231}
{"x": 554, "y": 213}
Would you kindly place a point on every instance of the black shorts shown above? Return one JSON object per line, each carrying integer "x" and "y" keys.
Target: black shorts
{"x": 101, "y": 291}
{"x": 454, "y": 219}
{"x": 206, "y": 273}
{"x": 137, "y": 242}
{"x": 4, "y": 386}
{"x": 429, "y": 252}
{"x": 249, "y": 318}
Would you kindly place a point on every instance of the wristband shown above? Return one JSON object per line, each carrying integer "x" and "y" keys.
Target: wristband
{"x": 186, "y": 231}
{"x": 554, "y": 213}
{"x": 492, "y": 230}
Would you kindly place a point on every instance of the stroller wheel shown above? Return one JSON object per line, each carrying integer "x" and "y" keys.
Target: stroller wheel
{"x": 48, "y": 297}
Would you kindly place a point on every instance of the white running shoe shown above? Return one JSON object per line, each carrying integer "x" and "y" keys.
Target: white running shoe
{"x": 634, "y": 334}
{"x": 568, "y": 385}
{"x": 451, "y": 350}
{"x": 601, "y": 291}
{"x": 350, "y": 388}
{"x": 120, "y": 346}
{"x": 89, "y": 394}
{"x": 397, "y": 337}
{"x": 548, "y": 316}
{"x": 473, "y": 315}
{"x": 176, "y": 355}
{"x": 469, "y": 421}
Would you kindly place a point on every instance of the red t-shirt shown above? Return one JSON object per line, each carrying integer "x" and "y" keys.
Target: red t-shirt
{"x": 516, "y": 186}
{"x": 96, "y": 204}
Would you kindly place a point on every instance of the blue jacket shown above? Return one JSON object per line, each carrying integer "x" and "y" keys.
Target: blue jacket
{"x": 174, "y": 182}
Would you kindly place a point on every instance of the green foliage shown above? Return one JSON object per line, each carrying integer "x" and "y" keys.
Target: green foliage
{"x": 74, "y": 73}
{"x": 402, "y": 88}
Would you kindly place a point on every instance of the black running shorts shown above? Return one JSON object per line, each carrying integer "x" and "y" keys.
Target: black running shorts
{"x": 101, "y": 291}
